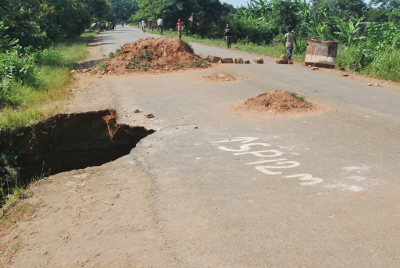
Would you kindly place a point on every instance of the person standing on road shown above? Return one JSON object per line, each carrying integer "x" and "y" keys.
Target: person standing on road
{"x": 290, "y": 38}
{"x": 228, "y": 36}
{"x": 179, "y": 25}
{"x": 143, "y": 24}
{"x": 160, "y": 25}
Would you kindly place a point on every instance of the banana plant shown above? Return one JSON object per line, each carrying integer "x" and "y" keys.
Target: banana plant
{"x": 260, "y": 7}
{"x": 348, "y": 31}
{"x": 321, "y": 29}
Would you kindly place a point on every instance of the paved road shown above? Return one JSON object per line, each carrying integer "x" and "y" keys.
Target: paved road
{"x": 262, "y": 191}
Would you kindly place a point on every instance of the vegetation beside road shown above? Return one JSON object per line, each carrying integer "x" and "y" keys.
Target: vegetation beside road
{"x": 367, "y": 33}
{"x": 32, "y": 80}
{"x": 369, "y": 58}
{"x": 31, "y": 93}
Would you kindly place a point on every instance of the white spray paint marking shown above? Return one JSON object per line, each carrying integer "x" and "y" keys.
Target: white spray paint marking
{"x": 248, "y": 147}
{"x": 356, "y": 169}
{"x": 287, "y": 148}
{"x": 306, "y": 177}
{"x": 238, "y": 139}
{"x": 266, "y": 169}
{"x": 243, "y": 148}
{"x": 273, "y": 153}
{"x": 353, "y": 188}
{"x": 357, "y": 178}
{"x": 356, "y": 188}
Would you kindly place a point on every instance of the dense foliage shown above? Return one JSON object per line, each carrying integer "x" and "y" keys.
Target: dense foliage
{"x": 121, "y": 10}
{"x": 368, "y": 33}
{"x": 27, "y": 28}
{"x": 204, "y": 18}
{"x": 39, "y": 23}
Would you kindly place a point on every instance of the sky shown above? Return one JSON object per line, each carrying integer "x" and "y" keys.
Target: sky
{"x": 239, "y": 3}
{"x": 236, "y": 3}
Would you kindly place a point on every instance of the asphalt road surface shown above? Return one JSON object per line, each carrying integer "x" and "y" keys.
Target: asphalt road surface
{"x": 233, "y": 190}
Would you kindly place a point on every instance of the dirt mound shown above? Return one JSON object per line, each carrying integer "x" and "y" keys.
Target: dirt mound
{"x": 154, "y": 55}
{"x": 276, "y": 102}
{"x": 219, "y": 77}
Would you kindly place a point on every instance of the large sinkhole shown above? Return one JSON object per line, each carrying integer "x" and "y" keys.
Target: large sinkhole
{"x": 75, "y": 141}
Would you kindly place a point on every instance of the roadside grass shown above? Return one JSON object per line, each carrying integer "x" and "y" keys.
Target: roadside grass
{"x": 300, "y": 98}
{"x": 14, "y": 210}
{"x": 34, "y": 102}
{"x": 384, "y": 65}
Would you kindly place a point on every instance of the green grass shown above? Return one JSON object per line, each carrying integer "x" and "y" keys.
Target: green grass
{"x": 385, "y": 66}
{"x": 35, "y": 102}
{"x": 301, "y": 98}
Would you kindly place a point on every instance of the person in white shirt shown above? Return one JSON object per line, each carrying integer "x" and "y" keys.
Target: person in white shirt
{"x": 160, "y": 25}
{"x": 143, "y": 24}
{"x": 290, "y": 38}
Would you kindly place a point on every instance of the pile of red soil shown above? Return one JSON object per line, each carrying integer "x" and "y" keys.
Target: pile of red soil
{"x": 276, "y": 102}
{"x": 153, "y": 55}
{"x": 219, "y": 77}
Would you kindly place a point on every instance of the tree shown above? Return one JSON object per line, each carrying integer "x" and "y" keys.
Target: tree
{"x": 38, "y": 23}
{"x": 284, "y": 14}
{"x": 385, "y": 11}
{"x": 201, "y": 17}
{"x": 98, "y": 8}
{"x": 341, "y": 9}
{"x": 389, "y": 5}
{"x": 206, "y": 17}
{"x": 152, "y": 8}
{"x": 22, "y": 21}
{"x": 121, "y": 10}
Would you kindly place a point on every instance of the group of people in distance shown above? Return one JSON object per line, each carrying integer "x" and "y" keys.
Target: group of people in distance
{"x": 290, "y": 38}
{"x": 160, "y": 26}
{"x": 104, "y": 26}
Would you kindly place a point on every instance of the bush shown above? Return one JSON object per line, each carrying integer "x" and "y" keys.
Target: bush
{"x": 385, "y": 65}
{"x": 15, "y": 68}
{"x": 245, "y": 32}
{"x": 351, "y": 58}
{"x": 47, "y": 57}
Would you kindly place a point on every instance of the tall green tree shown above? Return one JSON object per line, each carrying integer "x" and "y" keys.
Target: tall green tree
{"x": 201, "y": 17}
{"x": 98, "y": 9}
{"x": 206, "y": 17}
{"x": 389, "y": 5}
{"x": 38, "y": 23}
{"x": 341, "y": 9}
{"x": 284, "y": 14}
{"x": 23, "y": 21}
{"x": 121, "y": 10}
{"x": 385, "y": 11}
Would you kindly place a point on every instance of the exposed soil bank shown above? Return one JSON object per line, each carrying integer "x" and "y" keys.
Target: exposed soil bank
{"x": 74, "y": 141}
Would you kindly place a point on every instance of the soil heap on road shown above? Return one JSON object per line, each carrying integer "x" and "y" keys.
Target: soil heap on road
{"x": 276, "y": 102}
{"x": 152, "y": 55}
